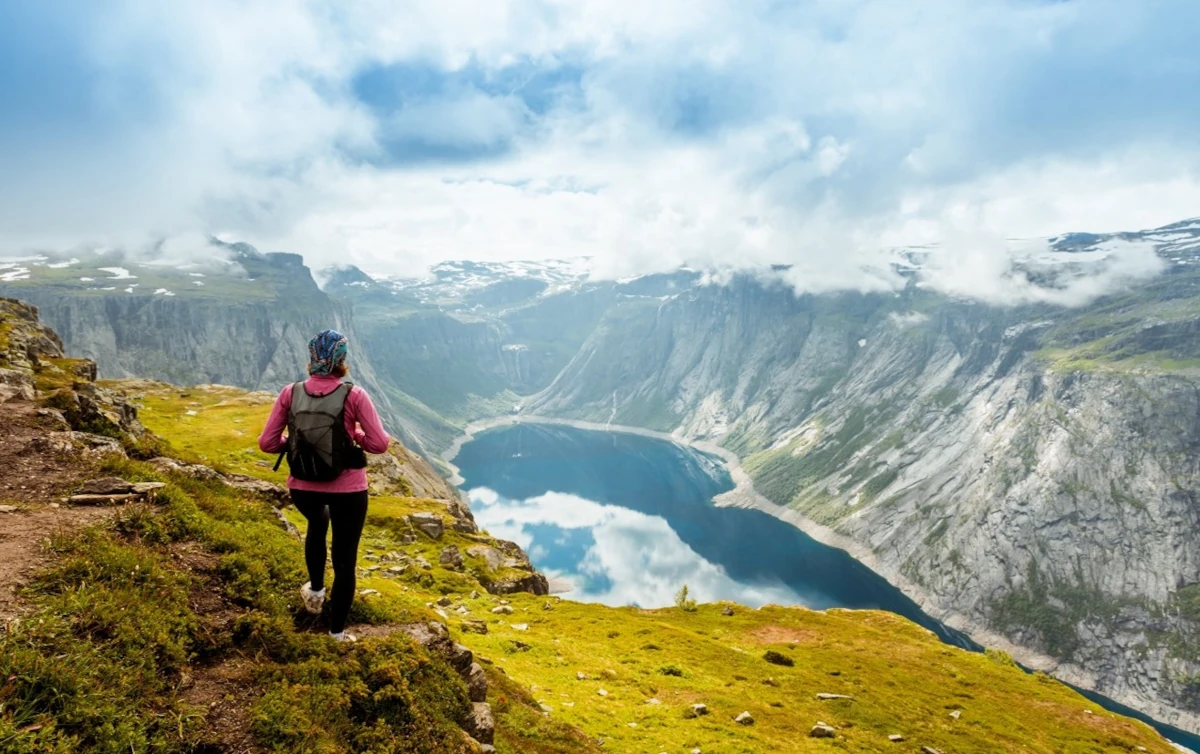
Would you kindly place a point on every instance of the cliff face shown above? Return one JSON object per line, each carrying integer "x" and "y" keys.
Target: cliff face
{"x": 247, "y": 325}
{"x": 1029, "y": 471}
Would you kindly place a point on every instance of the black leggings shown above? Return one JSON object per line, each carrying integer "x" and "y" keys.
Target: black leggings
{"x": 348, "y": 512}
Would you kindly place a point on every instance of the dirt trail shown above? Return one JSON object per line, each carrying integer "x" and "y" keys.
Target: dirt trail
{"x": 38, "y": 467}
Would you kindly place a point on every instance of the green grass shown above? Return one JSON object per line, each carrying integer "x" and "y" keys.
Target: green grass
{"x": 903, "y": 679}
{"x": 100, "y": 665}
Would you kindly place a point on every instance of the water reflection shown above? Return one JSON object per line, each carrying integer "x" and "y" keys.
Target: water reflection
{"x": 612, "y": 554}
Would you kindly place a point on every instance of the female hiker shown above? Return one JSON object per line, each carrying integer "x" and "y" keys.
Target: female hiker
{"x": 328, "y": 423}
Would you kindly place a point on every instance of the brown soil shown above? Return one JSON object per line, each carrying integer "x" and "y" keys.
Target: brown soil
{"x": 781, "y": 635}
{"x": 32, "y": 471}
{"x": 224, "y": 692}
{"x": 34, "y": 477}
{"x": 22, "y": 551}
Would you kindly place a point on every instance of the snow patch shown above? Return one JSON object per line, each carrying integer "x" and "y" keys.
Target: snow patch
{"x": 61, "y": 265}
{"x": 87, "y": 280}
{"x": 163, "y": 291}
{"x": 118, "y": 273}
{"x": 20, "y": 273}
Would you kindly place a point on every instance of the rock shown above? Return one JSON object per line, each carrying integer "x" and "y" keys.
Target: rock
{"x": 106, "y": 486}
{"x": 8, "y": 509}
{"x": 956, "y": 714}
{"x": 727, "y": 611}
{"x": 653, "y": 701}
{"x": 461, "y": 610}
{"x": 460, "y": 659}
{"x": 480, "y": 724}
{"x": 474, "y": 627}
{"x": 490, "y": 555}
{"x": 601, "y": 692}
{"x": 929, "y": 750}
{"x": 423, "y": 563}
{"x": 744, "y": 719}
{"x": 831, "y": 697}
{"x": 821, "y": 730}
{"x": 398, "y": 569}
{"x": 429, "y": 523}
{"x": 533, "y": 583}
{"x": 896, "y": 738}
{"x": 408, "y": 537}
{"x": 451, "y": 557}
{"x": 580, "y": 676}
{"x": 502, "y": 610}
{"x": 474, "y": 594}
{"x": 520, "y": 626}
{"x": 520, "y": 646}
{"x": 477, "y": 685}
{"x": 547, "y": 606}
{"x": 102, "y": 499}
{"x": 368, "y": 592}
{"x": 445, "y": 601}
{"x": 696, "y": 710}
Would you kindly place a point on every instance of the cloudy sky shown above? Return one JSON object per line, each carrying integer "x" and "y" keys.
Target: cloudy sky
{"x": 645, "y": 133}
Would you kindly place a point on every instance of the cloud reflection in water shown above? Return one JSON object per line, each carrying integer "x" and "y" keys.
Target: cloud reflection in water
{"x": 612, "y": 554}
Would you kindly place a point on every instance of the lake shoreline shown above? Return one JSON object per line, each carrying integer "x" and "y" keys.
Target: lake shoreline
{"x": 744, "y": 495}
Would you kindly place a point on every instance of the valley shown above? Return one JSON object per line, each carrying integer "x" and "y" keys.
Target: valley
{"x": 1026, "y": 472}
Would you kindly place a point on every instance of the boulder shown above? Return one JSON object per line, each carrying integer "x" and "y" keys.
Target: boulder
{"x": 727, "y": 611}
{"x": 474, "y": 627}
{"x": 477, "y": 685}
{"x": 503, "y": 610}
{"x": 696, "y": 710}
{"x": 744, "y": 719}
{"x": 821, "y": 730}
{"x": 451, "y": 557}
{"x": 480, "y": 724}
{"x": 429, "y": 523}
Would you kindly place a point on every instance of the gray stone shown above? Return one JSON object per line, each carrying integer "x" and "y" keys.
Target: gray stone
{"x": 474, "y": 627}
{"x": 429, "y": 523}
{"x": 451, "y": 557}
{"x": 896, "y": 738}
{"x": 744, "y": 719}
{"x": 821, "y": 730}
{"x": 480, "y": 725}
{"x": 477, "y": 685}
{"x": 831, "y": 697}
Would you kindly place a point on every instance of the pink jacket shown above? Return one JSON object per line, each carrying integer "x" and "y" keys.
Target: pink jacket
{"x": 362, "y": 424}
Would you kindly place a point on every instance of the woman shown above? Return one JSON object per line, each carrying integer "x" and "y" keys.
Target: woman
{"x": 343, "y": 499}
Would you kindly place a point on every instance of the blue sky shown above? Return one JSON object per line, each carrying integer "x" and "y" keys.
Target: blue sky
{"x": 645, "y": 135}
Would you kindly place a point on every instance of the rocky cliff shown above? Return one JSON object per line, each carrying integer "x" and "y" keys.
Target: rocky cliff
{"x": 1029, "y": 471}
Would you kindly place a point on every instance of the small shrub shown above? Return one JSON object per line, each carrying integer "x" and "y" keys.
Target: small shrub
{"x": 682, "y": 602}
{"x": 775, "y": 658}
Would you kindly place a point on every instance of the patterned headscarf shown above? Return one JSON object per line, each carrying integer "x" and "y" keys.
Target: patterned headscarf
{"x": 326, "y": 351}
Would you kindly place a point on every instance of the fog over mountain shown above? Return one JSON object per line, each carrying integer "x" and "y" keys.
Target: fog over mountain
{"x": 720, "y": 135}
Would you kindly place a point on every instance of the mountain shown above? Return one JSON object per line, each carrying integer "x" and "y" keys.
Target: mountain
{"x": 1026, "y": 472}
{"x": 164, "y": 615}
{"x": 235, "y": 316}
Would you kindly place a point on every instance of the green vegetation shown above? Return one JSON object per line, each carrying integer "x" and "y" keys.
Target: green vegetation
{"x": 683, "y": 602}
{"x": 1053, "y": 610}
{"x": 119, "y": 632}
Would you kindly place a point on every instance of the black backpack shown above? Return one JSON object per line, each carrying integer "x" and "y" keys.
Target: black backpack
{"x": 318, "y": 447}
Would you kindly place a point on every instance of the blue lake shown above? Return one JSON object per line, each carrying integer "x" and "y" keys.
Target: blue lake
{"x": 627, "y": 520}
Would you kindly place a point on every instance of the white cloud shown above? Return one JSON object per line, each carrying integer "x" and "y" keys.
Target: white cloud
{"x": 714, "y": 134}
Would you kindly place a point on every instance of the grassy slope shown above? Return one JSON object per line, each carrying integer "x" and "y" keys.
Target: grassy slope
{"x": 903, "y": 680}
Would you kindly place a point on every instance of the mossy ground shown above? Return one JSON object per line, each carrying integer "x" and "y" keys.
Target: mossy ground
{"x": 903, "y": 680}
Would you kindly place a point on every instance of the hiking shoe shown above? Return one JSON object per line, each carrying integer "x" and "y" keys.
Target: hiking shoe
{"x": 343, "y": 637}
{"x": 313, "y": 599}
